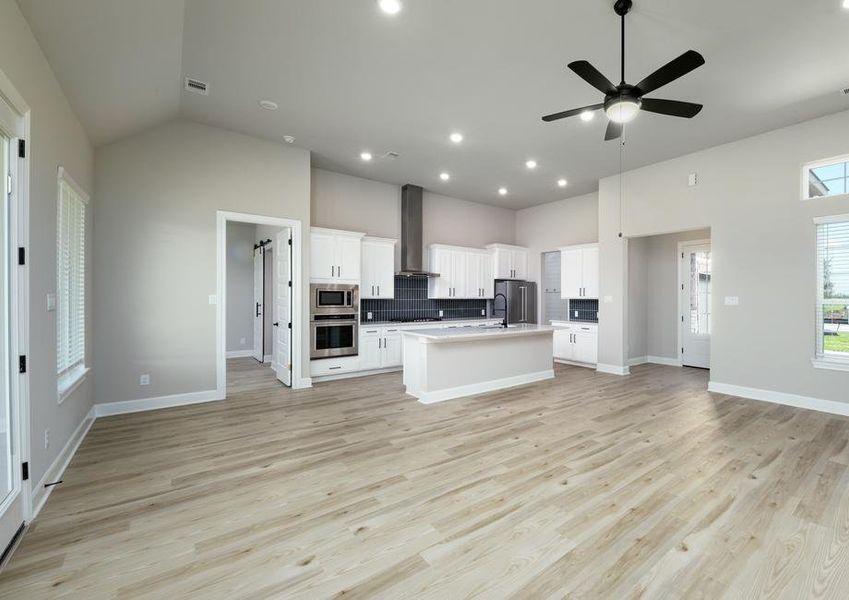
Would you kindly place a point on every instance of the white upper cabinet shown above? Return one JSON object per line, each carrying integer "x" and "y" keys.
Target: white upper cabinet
{"x": 510, "y": 262}
{"x": 335, "y": 255}
{"x": 463, "y": 273}
{"x": 579, "y": 272}
{"x": 378, "y": 268}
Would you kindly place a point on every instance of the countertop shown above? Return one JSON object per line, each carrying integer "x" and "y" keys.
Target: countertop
{"x": 431, "y": 336}
{"x": 429, "y": 324}
{"x": 561, "y": 324}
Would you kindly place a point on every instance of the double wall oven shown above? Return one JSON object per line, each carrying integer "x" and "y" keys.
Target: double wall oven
{"x": 334, "y": 320}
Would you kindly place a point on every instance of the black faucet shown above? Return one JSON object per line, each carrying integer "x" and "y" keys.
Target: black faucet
{"x": 504, "y": 322}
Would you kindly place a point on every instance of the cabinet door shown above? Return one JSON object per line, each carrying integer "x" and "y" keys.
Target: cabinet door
{"x": 520, "y": 264}
{"x": 370, "y": 348}
{"x": 322, "y": 256}
{"x": 586, "y": 347}
{"x": 571, "y": 273}
{"x": 348, "y": 251}
{"x": 487, "y": 281}
{"x": 383, "y": 265}
{"x": 563, "y": 344}
{"x": 459, "y": 260}
{"x": 391, "y": 349}
{"x": 368, "y": 271}
{"x": 441, "y": 262}
{"x": 502, "y": 263}
{"x": 472, "y": 284}
{"x": 589, "y": 268}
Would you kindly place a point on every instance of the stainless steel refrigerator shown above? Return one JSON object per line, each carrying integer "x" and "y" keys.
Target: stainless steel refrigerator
{"x": 521, "y": 300}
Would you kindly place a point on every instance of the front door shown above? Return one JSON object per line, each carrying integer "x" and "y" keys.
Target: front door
{"x": 282, "y": 354}
{"x": 695, "y": 305}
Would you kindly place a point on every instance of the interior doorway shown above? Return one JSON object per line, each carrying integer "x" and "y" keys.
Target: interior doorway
{"x": 260, "y": 317}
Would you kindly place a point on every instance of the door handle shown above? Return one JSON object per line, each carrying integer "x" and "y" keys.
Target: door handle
{"x": 276, "y": 324}
{"x": 378, "y": 290}
{"x": 339, "y": 271}
{"x": 257, "y": 309}
{"x": 332, "y": 271}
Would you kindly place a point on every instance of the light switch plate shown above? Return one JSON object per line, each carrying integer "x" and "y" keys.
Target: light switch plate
{"x": 51, "y": 302}
{"x": 732, "y": 301}
{"x": 144, "y": 379}
{"x": 608, "y": 299}
{"x": 213, "y": 299}
{"x": 693, "y": 180}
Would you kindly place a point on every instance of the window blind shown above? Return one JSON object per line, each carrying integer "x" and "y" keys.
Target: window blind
{"x": 832, "y": 309}
{"x": 70, "y": 285}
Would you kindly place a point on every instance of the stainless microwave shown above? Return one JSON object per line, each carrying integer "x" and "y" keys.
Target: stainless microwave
{"x": 334, "y": 298}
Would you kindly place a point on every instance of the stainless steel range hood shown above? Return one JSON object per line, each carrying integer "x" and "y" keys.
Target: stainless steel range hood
{"x": 411, "y": 233}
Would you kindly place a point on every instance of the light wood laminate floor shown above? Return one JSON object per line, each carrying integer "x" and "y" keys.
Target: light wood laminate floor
{"x": 585, "y": 486}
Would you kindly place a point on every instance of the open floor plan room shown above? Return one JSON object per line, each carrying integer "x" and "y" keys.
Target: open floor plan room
{"x": 424, "y": 299}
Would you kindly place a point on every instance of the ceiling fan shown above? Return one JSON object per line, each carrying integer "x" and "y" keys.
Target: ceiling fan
{"x": 623, "y": 102}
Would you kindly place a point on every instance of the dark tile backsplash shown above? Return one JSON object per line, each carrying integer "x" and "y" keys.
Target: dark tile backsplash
{"x": 411, "y": 302}
{"x": 587, "y": 310}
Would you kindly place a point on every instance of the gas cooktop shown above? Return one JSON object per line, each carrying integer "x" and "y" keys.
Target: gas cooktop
{"x": 422, "y": 320}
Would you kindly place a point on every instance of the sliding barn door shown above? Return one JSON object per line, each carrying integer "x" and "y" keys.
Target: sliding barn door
{"x": 282, "y": 360}
{"x": 259, "y": 291}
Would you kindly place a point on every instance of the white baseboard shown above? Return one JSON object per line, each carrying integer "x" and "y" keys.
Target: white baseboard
{"x": 302, "y": 383}
{"x": 612, "y": 369}
{"x": 144, "y": 404}
{"x": 481, "y": 388}
{"x": 354, "y": 374}
{"x": 654, "y": 360}
{"x": 266, "y": 358}
{"x": 818, "y": 404}
{"x": 240, "y": 353}
{"x": 574, "y": 363}
{"x": 57, "y": 468}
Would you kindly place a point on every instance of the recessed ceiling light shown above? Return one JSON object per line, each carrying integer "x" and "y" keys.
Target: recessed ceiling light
{"x": 444, "y": 176}
{"x": 845, "y": 3}
{"x": 289, "y": 139}
{"x": 531, "y": 164}
{"x": 587, "y": 115}
{"x": 562, "y": 182}
{"x": 390, "y": 7}
{"x": 502, "y": 191}
{"x": 456, "y": 137}
{"x": 268, "y": 104}
{"x": 366, "y": 156}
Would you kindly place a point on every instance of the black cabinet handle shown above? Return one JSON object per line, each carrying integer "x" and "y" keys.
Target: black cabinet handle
{"x": 257, "y": 309}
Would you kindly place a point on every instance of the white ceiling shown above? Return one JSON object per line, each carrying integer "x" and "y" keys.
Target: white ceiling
{"x": 348, "y": 78}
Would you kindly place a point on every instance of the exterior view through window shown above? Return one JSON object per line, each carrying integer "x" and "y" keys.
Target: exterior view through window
{"x": 828, "y": 178}
{"x": 833, "y": 292}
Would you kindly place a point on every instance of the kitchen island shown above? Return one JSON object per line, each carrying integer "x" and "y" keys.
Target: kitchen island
{"x": 441, "y": 364}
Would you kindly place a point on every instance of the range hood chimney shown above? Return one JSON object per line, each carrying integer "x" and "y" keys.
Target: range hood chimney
{"x": 411, "y": 233}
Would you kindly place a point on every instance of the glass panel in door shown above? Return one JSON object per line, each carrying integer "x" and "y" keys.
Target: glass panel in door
{"x": 696, "y": 273}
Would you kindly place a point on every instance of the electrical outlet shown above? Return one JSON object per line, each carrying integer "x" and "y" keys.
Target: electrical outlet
{"x": 51, "y": 302}
{"x": 576, "y": 314}
{"x": 483, "y": 312}
{"x": 242, "y": 341}
{"x": 440, "y": 313}
{"x": 732, "y": 301}
{"x": 144, "y": 379}
{"x": 46, "y": 439}
{"x": 369, "y": 316}
{"x": 213, "y": 299}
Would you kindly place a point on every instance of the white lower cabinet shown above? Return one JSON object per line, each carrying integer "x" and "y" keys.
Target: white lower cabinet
{"x": 380, "y": 348}
{"x": 334, "y": 366}
{"x": 575, "y": 342}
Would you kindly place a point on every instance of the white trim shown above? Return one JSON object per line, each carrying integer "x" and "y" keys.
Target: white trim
{"x": 298, "y": 325}
{"x": 482, "y": 388}
{"x": 612, "y": 369}
{"x": 63, "y": 175}
{"x": 831, "y": 218}
{"x": 654, "y": 360}
{"x": 266, "y": 359}
{"x": 806, "y": 168}
{"x": 808, "y": 402}
{"x": 354, "y": 374}
{"x": 240, "y": 353}
{"x": 61, "y": 462}
{"x": 638, "y": 360}
{"x": 70, "y": 381}
{"x": 834, "y": 364}
{"x": 144, "y": 404}
{"x": 574, "y": 363}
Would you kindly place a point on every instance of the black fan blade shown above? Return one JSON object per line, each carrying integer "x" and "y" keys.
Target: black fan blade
{"x": 671, "y": 71}
{"x": 571, "y": 113}
{"x": 614, "y": 130}
{"x": 591, "y": 75}
{"x": 673, "y": 108}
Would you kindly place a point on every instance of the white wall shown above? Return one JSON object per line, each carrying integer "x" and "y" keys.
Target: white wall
{"x": 549, "y": 226}
{"x": 763, "y": 244}
{"x": 355, "y": 204}
{"x": 56, "y": 139}
{"x": 241, "y": 238}
{"x": 638, "y": 297}
{"x": 157, "y": 194}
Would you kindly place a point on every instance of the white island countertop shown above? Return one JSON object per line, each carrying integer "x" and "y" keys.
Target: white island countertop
{"x": 435, "y": 336}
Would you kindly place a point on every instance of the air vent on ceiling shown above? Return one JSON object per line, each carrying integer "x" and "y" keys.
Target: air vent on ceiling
{"x": 391, "y": 155}
{"x": 846, "y": 91}
{"x": 197, "y": 86}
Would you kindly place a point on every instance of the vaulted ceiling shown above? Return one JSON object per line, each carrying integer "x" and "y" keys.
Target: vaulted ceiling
{"x": 348, "y": 78}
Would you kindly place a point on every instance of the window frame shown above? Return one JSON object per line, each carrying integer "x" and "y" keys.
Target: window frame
{"x": 68, "y": 381}
{"x": 821, "y": 360}
{"x": 825, "y": 162}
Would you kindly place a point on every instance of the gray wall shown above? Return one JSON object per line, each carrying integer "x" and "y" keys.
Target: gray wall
{"x": 240, "y": 285}
{"x": 550, "y": 226}
{"x": 56, "y": 138}
{"x": 355, "y": 204}
{"x": 638, "y": 297}
{"x": 157, "y": 194}
{"x": 763, "y": 245}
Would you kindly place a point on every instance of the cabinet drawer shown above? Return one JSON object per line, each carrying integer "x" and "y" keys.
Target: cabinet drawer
{"x": 334, "y": 366}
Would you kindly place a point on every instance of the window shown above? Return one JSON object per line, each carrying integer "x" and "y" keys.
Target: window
{"x": 70, "y": 284}
{"x": 826, "y": 178}
{"x": 832, "y": 309}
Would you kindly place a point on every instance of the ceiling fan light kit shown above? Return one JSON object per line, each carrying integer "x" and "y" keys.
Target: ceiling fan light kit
{"x": 623, "y": 102}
